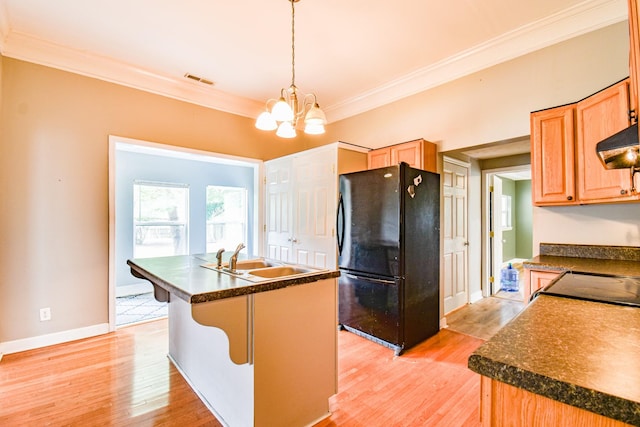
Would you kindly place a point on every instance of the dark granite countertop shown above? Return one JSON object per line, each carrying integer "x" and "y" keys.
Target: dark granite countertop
{"x": 184, "y": 277}
{"x": 597, "y": 259}
{"x": 585, "y": 354}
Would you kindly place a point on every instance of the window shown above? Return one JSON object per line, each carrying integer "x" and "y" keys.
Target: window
{"x": 226, "y": 217}
{"x": 160, "y": 218}
{"x": 506, "y": 212}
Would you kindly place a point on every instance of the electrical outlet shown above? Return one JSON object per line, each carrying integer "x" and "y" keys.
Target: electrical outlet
{"x": 45, "y": 314}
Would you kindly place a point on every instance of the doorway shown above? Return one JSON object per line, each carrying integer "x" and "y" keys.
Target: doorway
{"x": 166, "y": 201}
{"x": 508, "y": 227}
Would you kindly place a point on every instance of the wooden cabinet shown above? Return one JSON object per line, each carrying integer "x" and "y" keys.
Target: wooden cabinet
{"x": 598, "y": 117}
{"x": 419, "y": 154}
{"x": 502, "y": 404}
{"x": 379, "y": 158}
{"x": 634, "y": 57}
{"x": 566, "y": 169}
{"x": 552, "y": 156}
{"x": 537, "y": 279}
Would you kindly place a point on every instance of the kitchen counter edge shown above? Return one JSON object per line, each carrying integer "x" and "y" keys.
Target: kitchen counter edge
{"x": 180, "y": 282}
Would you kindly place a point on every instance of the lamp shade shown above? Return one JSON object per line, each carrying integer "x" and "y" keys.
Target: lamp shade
{"x": 315, "y": 116}
{"x": 265, "y": 121}
{"x": 282, "y": 111}
{"x": 286, "y": 130}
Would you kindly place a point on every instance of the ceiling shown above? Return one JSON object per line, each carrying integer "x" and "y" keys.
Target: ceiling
{"x": 355, "y": 55}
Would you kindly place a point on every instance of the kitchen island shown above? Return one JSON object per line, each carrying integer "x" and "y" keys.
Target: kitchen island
{"x": 258, "y": 353}
{"x": 562, "y": 362}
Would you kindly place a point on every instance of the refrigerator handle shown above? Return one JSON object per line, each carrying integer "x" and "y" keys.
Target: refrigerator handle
{"x": 340, "y": 224}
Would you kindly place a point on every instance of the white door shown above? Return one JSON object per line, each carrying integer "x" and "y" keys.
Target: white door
{"x": 315, "y": 189}
{"x": 455, "y": 272}
{"x": 496, "y": 233}
{"x": 301, "y": 207}
{"x": 278, "y": 175}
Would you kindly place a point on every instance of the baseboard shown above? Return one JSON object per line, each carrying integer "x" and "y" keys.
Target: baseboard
{"x": 475, "y": 297}
{"x": 51, "y": 339}
{"x": 443, "y": 323}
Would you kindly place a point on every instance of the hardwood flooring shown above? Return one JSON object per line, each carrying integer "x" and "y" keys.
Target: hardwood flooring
{"x": 125, "y": 379}
{"x": 485, "y": 317}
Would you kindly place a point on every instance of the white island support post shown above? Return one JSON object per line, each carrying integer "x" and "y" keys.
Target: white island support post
{"x": 263, "y": 359}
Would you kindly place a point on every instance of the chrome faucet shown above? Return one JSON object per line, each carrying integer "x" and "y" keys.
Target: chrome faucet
{"x": 219, "y": 257}
{"x": 234, "y": 258}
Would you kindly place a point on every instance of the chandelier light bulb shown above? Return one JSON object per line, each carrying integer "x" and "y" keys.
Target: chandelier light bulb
{"x": 265, "y": 121}
{"x": 282, "y": 111}
{"x": 286, "y": 130}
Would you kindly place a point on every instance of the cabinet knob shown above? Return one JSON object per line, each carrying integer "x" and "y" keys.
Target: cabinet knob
{"x": 623, "y": 191}
{"x": 569, "y": 197}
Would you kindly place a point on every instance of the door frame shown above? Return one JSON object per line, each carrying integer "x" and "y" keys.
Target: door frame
{"x": 487, "y": 174}
{"x": 116, "y": 143}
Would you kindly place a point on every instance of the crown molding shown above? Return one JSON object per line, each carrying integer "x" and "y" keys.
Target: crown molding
{"x": 580, "y": 19}
{"x": 28, "y": 48}
{"x": 587, "y": 16}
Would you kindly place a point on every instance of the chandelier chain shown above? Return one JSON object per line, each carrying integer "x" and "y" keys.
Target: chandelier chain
{"x": 293, "y": 43}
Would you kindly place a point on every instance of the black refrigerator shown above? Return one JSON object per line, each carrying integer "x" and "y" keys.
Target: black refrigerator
{"x": 388, "y": 233}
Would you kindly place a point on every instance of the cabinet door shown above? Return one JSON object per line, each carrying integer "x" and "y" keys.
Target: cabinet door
{"x": 379, "y": 158}
{"x": 408, "y": 152}
{"x": 634, "y": 55}
{"x": 536, "y": 279}
{"x": 598, "y": 117}
{"x": 552, "y": 156}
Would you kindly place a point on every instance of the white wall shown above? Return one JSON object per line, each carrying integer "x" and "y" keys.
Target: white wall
{"x": 615, "y": 224}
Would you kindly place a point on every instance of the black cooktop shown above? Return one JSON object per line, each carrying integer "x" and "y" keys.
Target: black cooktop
{"x": 619, "y": 290}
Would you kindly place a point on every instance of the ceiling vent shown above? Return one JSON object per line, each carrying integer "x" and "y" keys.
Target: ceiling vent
{"x": 199, "y": 79}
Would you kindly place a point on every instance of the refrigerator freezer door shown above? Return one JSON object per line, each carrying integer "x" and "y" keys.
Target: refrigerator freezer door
{"x": 369, "y": 222}
{"x": 371, "y": 306}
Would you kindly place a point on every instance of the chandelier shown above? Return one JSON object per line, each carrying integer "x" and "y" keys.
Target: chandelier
{"x": 285, "y": 113}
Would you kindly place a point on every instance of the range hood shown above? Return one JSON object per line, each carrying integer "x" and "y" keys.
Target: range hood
{"x": 621, "y": 150}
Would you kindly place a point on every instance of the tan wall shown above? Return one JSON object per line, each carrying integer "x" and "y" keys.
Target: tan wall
{"x": 54, "y": 184}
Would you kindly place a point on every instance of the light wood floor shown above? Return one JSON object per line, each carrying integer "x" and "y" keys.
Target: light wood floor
{"x": 485, "y": 317}
{"x": 125, "y": 379}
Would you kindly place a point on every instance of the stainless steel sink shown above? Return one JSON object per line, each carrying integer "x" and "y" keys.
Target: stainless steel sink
{"x": 262, "y": 270}
{"x": 280, "y": 271}
{"x": 252, "y": 264}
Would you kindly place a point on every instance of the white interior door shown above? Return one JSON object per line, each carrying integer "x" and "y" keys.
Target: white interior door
{"x": 315, "y": 188}
{"x": 278, "y": 174}
{"x": 456, "y": 244}
{"x": 496, "y": 235}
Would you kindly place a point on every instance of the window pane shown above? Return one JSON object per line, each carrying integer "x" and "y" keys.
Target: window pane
{"x": 226, "y": 217}
{"x": 160, "y": 216}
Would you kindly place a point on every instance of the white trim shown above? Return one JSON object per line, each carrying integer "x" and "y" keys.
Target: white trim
{"x": 28, "y": 48}
{"x": 352, "y": 147}
{"x": 457, "y": 162}
{"x": 587, "y": 16}
{"x": 135, "y": 145}
{"x": 24, "y": 344}
{"x": 485, "y": 218}
{"x": 475, "y": 297}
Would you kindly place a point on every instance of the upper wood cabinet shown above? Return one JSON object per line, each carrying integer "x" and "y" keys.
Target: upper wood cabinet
{"x": 566, "y": 169}
{"x": 419, "y": 154}
{"x": 552, "y": 156}
{"x": 634, "y": 58}
{"x": 598, "y": 117}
